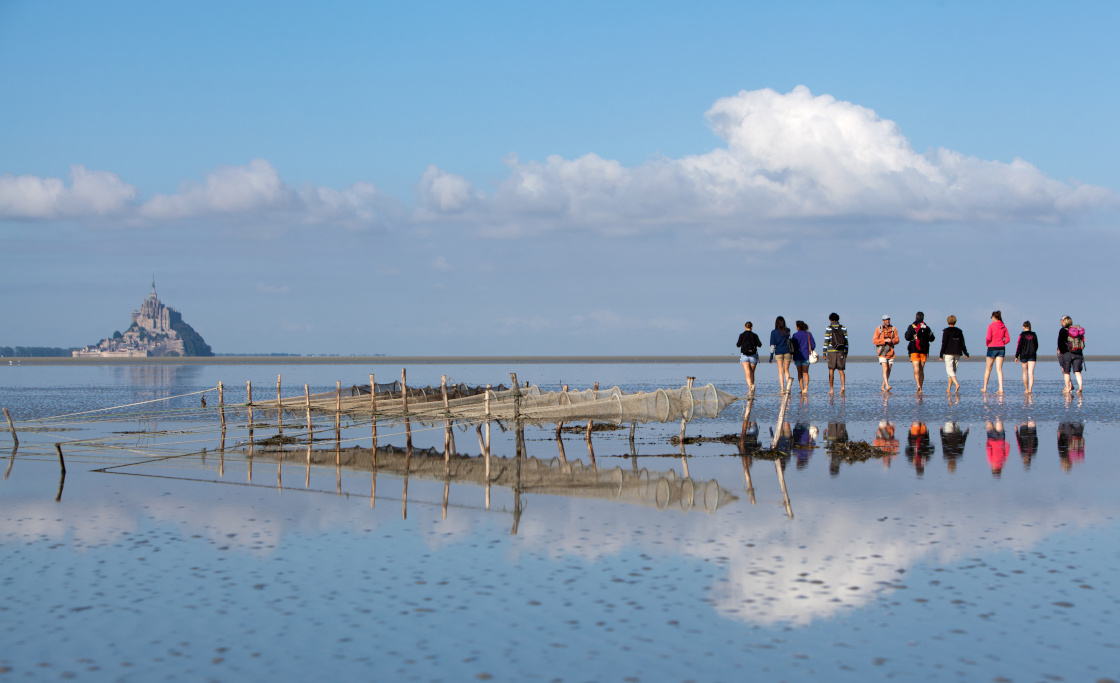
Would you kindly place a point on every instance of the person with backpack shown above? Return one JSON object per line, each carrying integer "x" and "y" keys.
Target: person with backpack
{"x": 885, "y": 339}
{"x": 748, "y": 344}
{"x": 952, "y": 348}
{"x": 1071, "y": 352}
{"x": 1026, "y": 354}
{"x": 781, "y": 349}
{"x": 920, "y": 336}
{"x": 803, "y": 346}
{"x": 997, "y": 338}
{"x": 836, "y": 350}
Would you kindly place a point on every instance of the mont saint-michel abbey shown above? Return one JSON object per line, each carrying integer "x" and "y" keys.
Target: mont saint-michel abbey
{"x": 156, "y": 330}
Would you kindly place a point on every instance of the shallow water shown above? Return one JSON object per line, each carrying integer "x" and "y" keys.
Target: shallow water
{"x": 971, "y": 558}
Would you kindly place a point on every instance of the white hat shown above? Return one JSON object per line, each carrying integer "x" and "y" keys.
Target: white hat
{"x": 886, "y": 317}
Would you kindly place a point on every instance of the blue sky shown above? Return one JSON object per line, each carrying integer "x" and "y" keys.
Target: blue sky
{"x": 518, "y": 178}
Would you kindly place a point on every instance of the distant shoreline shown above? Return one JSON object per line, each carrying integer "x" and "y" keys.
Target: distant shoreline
{"x": 433, "y": 360}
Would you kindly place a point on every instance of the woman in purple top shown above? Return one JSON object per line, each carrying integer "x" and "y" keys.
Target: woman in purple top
{"x": 803, "y": 345}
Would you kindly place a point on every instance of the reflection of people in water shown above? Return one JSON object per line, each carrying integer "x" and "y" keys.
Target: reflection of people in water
{"x": 1026, "y": 435}
{"x": 885, "y": 441}
{"x": 918, "y": 447}
{"x": 836, "y": 434}
{"x": 952, "y": 444}
{"x": 998, "y": 448}
{"x": 803, "y": 442}
{"x": 1071, "y": 444}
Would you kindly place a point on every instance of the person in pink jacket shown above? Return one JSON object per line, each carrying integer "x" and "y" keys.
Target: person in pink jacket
{"x": 997, "y": 338}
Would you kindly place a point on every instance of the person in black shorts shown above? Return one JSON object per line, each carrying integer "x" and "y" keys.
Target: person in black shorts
{"x": 836, "y": 350}
{"x": 1026, "y": 354}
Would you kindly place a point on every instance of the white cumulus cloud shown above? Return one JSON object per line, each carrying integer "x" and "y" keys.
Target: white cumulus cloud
{"x": 792, "y": 156}
{"x": 91, "y": 194}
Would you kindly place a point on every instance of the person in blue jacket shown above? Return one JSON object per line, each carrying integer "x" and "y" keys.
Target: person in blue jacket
{"x": 781, "y": 350}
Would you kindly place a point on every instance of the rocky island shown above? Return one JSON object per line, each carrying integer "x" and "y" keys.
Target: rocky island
{"x": 156, "y": 331}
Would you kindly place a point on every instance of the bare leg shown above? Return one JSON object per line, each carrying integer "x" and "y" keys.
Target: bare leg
{"x": 917, "y": 374}
{"x": 750, "y": 375}
{"x": 783, "y": 375}
{"x": 987, "y": 373}
{"x": 1078, "y": 376}
{"x": 1030, "y": 376}
{"x": 887, "y": 375}
{"x": 921, "y": 375}
{"x": 1026, "y": 389}
{"x": 999, "y": 372}
{"x": 747, "y": 376}
{"x": 1069, "y": 386}
{"x": 831, "y": 375}
{"x": 843, "y": 382}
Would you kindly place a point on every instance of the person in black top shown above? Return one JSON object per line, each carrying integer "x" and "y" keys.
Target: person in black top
{"x": 952, "y": 444}
{"x": 919, "y": 335}
{"x": 748, "y": 353}
{"x": 952, "y": 348}
{"x": 1026, "y": 354}
{"x": 1071, "y": 360}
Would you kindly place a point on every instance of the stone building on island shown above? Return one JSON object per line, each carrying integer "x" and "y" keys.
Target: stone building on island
{"x": 156, "y": 331}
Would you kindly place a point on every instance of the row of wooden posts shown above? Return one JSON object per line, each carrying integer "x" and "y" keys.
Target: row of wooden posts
{"x": 449, "y": 437}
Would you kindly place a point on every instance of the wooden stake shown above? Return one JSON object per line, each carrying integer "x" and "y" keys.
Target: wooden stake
{"x": 310, "y": 430}
{"x": 11, "y": 426}
{"x": 279, "y": 411}
{"x": 404, "y": 389}
{"x": 338, "y": 413}
{"x": 373, "y": 418}
{"x": 221, "y": 395}
{"x": 249, "y": 402}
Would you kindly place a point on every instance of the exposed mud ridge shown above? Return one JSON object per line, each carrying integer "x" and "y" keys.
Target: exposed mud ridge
{"x": 279, "y": 440}
{"x": 692, "y": 440}
{"x": 595, "y": 427}
{"x": 855, "y": 451}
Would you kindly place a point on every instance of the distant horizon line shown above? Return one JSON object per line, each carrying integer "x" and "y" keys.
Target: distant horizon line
{"x": 291, "y": 359}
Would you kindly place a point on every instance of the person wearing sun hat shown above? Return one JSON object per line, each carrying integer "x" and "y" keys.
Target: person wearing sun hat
{"x": 885, "y": 339}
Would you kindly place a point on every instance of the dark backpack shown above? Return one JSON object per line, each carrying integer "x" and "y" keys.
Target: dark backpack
{"x": 838, "y": 338}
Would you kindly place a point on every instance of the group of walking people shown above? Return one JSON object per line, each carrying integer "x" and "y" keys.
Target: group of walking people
{"x": 800, "y": 348}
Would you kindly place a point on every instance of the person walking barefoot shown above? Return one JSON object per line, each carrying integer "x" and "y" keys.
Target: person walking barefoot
{"x": 1071, "y": 353}
{"x": 748, "y": 344}
{"x": 996, "y": 339}
{"x": 836, "y": 350}
{"x": 1026, "y": 354}
{"x": 952, "y": 348}
{"x": 781, "y": 350}
{"x": 920, "y": 336}
{"x": 885, "y": 339}
{"x": 803, "y": 346}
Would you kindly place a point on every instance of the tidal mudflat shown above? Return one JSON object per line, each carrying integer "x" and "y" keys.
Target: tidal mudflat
{"x": 982, "y": 546}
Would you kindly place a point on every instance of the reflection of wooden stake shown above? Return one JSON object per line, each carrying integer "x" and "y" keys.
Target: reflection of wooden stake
{"x": 591, "y": 454}
{"x": 338, "y": 467}
{"x": 279, "y": 464}
{"x": 372, "y": 488}
{"x": 747, "y": 476}
{"x": 404, "y": 494}
{"x": 61, "y": 472}
{"x": 307, "y": 475}
{"x": 560, "y": 446}
{"x": 684, "y": 462}
{"x": 11, "y": 461}
{"x": 782, "y": 481}
{"x": 446, "y": 490}
{"x": 250, "y": 462}
{"x": 222, "y": 463}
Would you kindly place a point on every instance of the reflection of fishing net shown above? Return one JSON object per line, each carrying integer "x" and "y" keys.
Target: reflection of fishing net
{"x": 660, "y": 490}
{"x": 531, "y": 404}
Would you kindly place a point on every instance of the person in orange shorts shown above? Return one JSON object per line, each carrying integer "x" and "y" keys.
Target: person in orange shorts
{"x": 920, "y": 336}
